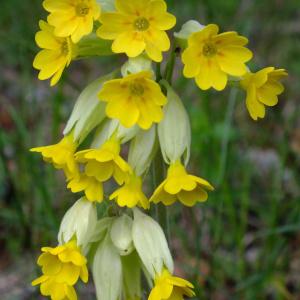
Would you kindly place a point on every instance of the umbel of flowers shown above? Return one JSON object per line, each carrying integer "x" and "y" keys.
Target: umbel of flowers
{"x": 137, "y": 107}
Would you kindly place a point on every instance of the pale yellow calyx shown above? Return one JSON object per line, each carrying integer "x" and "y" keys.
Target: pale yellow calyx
{"x": 209, "y": 49}
{"x": 82, "y": 9}
{"x": 141, "y": 24}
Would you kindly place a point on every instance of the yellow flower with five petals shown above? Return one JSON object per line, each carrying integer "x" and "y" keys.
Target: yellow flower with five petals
{"x": 168, "y": 287}
{"x": 56, "y": 54}
{"x": 131, "y": 193}
{"x": 138, "y": 25}
{"x": 263, "y": 89}
{"x": 210, "y": 57}
{"x": 72, "y": 18}
{"x": 179, "y": 185}
{"x": 134, "y": 99}
{"x": 62, "y": 267}
{"x": 61, "y": 155}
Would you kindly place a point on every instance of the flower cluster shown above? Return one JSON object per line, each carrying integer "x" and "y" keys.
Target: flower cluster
{"x": 134, "y": 120}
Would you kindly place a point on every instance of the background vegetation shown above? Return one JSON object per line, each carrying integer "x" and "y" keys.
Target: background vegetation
{"x": 244, "y": 243}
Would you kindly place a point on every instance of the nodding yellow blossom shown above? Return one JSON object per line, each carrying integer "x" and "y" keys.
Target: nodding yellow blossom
{"x": 74, "y": 18}
{"x": 62, "y": 267}
{"x": 210, "y": 57}
{"x": 134, "y": 99}
{"x": 104, "y": 163}
{"x": 55, "y": 56}
{"x": 138, "y": 25}
{"x": 168, "y": 287}
{"x": 263, "y": 89}
{"x": 61, "y": 155}
{"x": 131, "y": 193}
{"x": 93, "y": 189}
{"x": 179, "y": 185}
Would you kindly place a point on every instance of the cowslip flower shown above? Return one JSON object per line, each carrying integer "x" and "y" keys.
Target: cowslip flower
{"x": 62, "y": 267}
{"x": 168, "y": 287}
{"x": 210, "y": 57}
{"x": 179, "y": 185}
{"x": 56, "y": 53}
{"x": 92, "y": 188}
{"x": 131, "y": 193}
{"x": 137, "y": 26}
{"x": 61, "y": 155}
{"x": 74, "y": 18}
{"x": 263, "y": 89}
{"x": 134, "y": 99}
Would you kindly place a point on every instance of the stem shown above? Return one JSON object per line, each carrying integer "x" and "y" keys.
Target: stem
{"x": 170, "y": 66}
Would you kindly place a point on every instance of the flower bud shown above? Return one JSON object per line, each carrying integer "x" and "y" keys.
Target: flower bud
{"x": 101, "y": 228}
{"x": 174, "y": 131}
{"x": 88, "y": 111}
{"x": 80, "y": 221}
{"x": 142, "y": 149}
{"x": 136, "y": 65}
{"x": 151, "y": 244}
{"x": 110, "y": 127}
{"x": 187, "y": 29}
{"x": 107, "y": 271}
{"x": 121, "y": 234}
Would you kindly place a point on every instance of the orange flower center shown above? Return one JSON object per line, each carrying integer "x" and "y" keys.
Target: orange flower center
{"x": 141, "y": 24}
{"x": 82, "y": 10}
{"x": 209, "y": 49}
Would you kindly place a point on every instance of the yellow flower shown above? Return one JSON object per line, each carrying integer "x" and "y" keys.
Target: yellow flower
{"x": 179, "y": 185}
{"x": 93, "y": 189}
{"x": 134, "y": 99}
{"x": 131, "y": 193}
{"x": 62, "y": 267}
{"x": 263, "y": 88}
{"x": 138, "y": 25}
{"x": 210, "y": 57}
{"x": 168, "y": 287}
{"x": 55, "y": 56}
{"x": 61, "y": 155}
{"x": 74, "y": 18}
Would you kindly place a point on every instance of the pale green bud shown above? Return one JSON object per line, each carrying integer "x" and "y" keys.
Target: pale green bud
{"x": 186, "y": 31}
{"x": 142, "y": 149}
{"x": 88, "y": 111}
{"x": 131, "y": 276}
{"x": 151, "y": 244}
{"x": 136, "y": 65}
{"x": 107, "y": 5}
{"x": 107, "y": 271}
{"x": 79, "y": 221}
{"x": 101, "y": 228}
{"x": 110, "y": 127}
{"x": 121, "y": 234}
{"x": 174, "y": 131}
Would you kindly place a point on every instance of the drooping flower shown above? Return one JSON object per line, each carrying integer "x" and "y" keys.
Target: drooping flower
{"x": 210, "y": 57}
{"x": 61, "y": 155}
{"x": 131, "y": 193}
{"x": 179, "y": 185}
{"x": 263, "y": 89}
{"x": 56, "y": 53}
{"x": 168, "y": 287}
{"x": 62, "y": 267}
{"x": 137, "y": 26}
{"x": 74, "y": 18}
{"x": 92, "y": 188}
{"x": 134, "y": 99}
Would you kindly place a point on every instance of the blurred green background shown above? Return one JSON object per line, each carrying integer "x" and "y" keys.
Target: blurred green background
{"x": 244, "y": 243}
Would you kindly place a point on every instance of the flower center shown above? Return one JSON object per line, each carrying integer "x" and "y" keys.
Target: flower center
{"x": 137, "y": 89}
{"x": 82, "y": 9}
{"x": 65, "y": 48}
{"x": 141, "y": 24}
{"x": 209, "y": 49}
